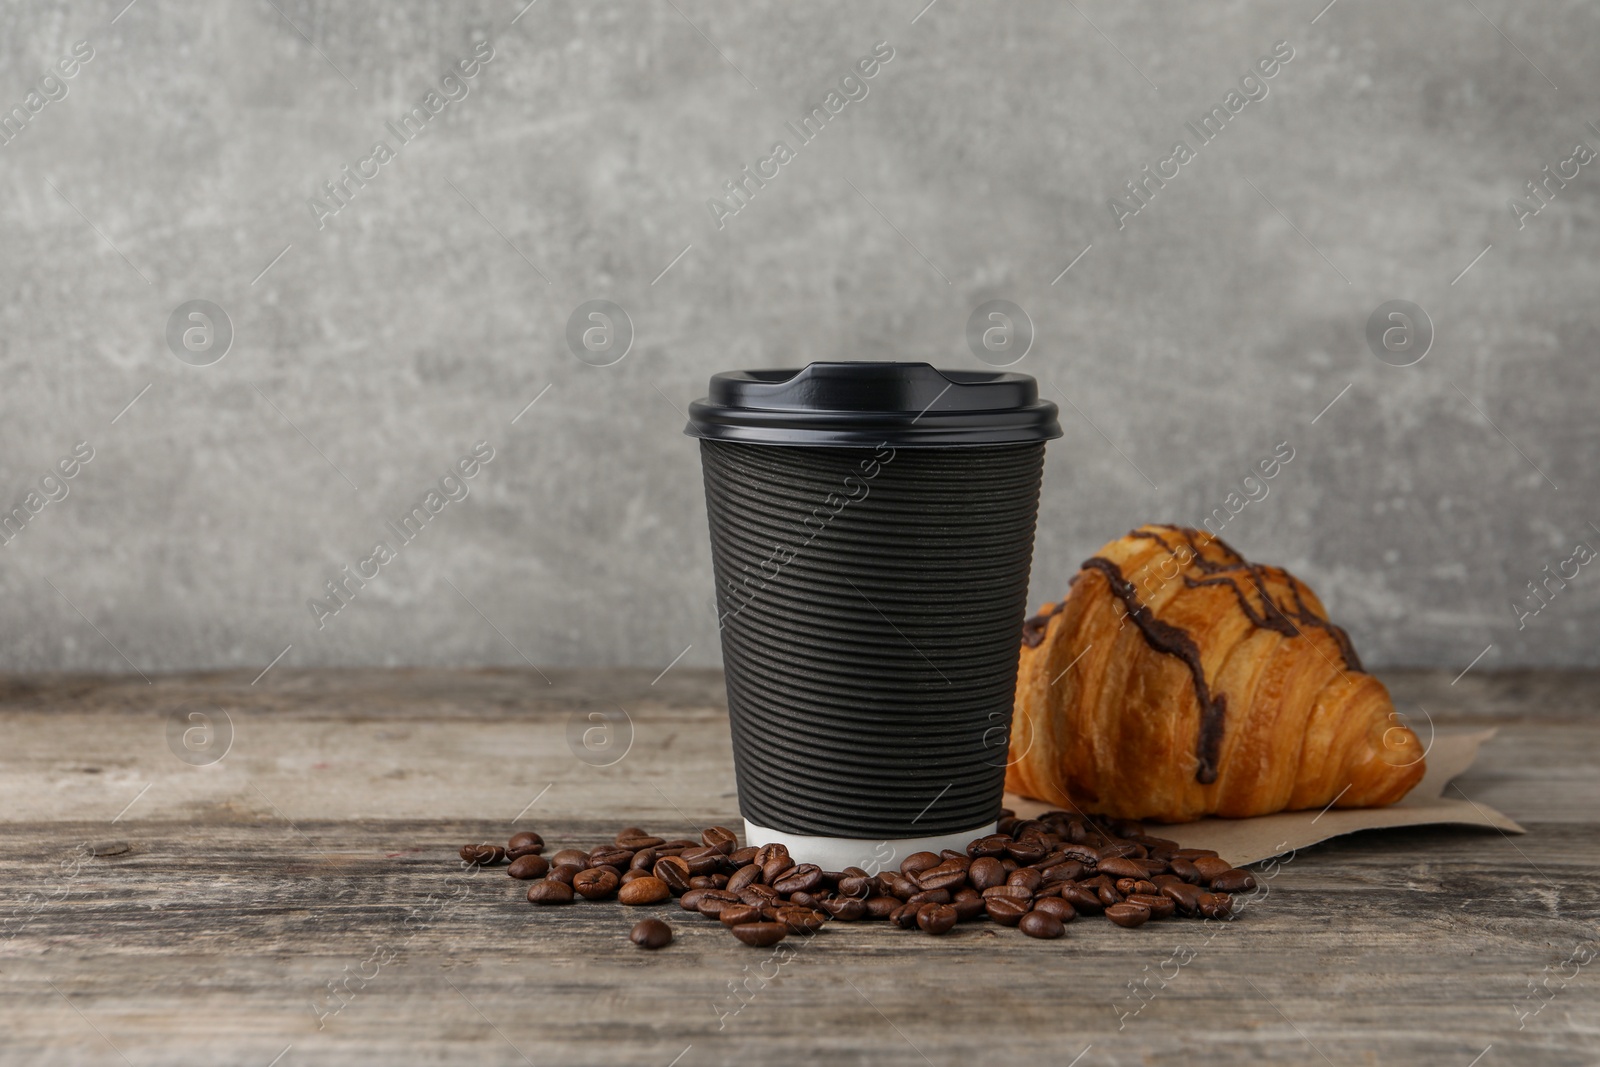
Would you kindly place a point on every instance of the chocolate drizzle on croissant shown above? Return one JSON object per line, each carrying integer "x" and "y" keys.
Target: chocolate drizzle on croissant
{"x": 1105, "y": 720}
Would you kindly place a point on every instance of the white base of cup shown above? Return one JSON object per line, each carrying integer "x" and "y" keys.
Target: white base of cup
{"x": 871, "y": 855}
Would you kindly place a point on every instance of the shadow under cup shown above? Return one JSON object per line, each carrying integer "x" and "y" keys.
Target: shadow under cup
{"x": 871, "y": 536}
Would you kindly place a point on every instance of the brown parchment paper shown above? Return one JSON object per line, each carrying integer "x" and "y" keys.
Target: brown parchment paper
{"x": 1241, "y": 841}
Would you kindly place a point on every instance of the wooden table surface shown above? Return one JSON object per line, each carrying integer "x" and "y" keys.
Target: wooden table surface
{"x": 319, "y": 853}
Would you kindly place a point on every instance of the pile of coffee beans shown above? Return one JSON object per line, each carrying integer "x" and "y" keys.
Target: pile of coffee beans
{"x": 1034, "y": 874}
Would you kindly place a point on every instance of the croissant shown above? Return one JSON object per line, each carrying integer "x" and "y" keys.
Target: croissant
{"x": 1176, "y": 680}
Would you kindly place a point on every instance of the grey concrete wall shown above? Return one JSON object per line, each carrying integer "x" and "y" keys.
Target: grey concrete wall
{"x": 422, "y": 316}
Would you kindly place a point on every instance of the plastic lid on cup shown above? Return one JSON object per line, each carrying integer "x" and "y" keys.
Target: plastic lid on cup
{"x": 862, "y": 404}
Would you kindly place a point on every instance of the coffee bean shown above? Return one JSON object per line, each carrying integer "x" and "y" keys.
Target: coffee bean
{"x": 570, "y": 857}
{"x": 1117, "y": 867}
{"x": 1108, "y": 894}
{"x": 801, "y": 879}
{"x": 484, "y": 855}
{"x": 882, "y": 907}
{"x": 800, "y": 920}
{"x": 1185, "y": 896}
{"x": 1234, "y": 880}
{"x": 1082, "y": 898}
{"x": 742, "y": 856}
{"x": 651, "y": 933}
{"x": 767, "y": 853}
{"x": 1041, "y": 924}
{"x": 804, "y": 899}
{"x": 1128, "y": 914}
{"x": 596, "y": 883}
{"x": 936, "y": 918}
{"x": 855, "y": 885}
{"x": 904, "y": 916}
{"x": 950, "y": 875}
{"x": 529, "y": 866}
{"x": 704, "y": 881}
{"x": 1211, "y": 866}
{"x": 564, "y": 873}
{"x": 647, "y": 889}
{"x": 846, "y": 909}
{"x": 549, "y": 891}
{"x": 985, "y": 872}
{"x": 991, "y": 846}
{"x": 1014, "y": 892}
{"x": 633, "y": 874}
{"x": 735, "y": 914}
{"x": 1026, "y": 877}
{"x": 747, "y": 875}
{"x": 760, "y": 935}
{"x": 773, "y": 869}
{"x": 1056, "y": 906}
{"x": 1087, "y": 855}
{"x": 673, "y": 871}
{"x": 611, "y": 856}
{"x": 526, "y": 843}
{"x": 759, "y": 895}
{"x": 720, "y": 838}
{"x": 690, "y": 901}
{"x": 896, "y": 885}
{"x": 1065, "y": 871}
{"x": 680, "y": 843}
{"x": 1025, "y": 852}
{"x": 930, "y": 896}
{"x": 635, "y": 841}
{"x": 968, "y": 903}
{"x": 1161, "y": 906}
{"x": 918, "y": 862}
{"x": 1185, "y": 870}
{"x": 644, "y": 860}
{"x": 1216, "y": 905}
{"x": 1007, "y": 911}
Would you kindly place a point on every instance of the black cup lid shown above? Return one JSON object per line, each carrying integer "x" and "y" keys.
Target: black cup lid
{"x": 905, "y": 405}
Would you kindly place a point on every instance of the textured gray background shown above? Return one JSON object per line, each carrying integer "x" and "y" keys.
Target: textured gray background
{"x": 1219, "y": 322}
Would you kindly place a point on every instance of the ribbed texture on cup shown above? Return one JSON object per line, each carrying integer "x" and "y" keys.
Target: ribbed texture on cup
{"x": 872, "y": 605}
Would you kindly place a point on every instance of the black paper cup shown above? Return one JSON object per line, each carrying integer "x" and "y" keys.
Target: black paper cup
{"x": 871, "y": 536}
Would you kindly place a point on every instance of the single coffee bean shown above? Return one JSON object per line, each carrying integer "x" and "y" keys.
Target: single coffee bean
{"x": 1118, "y": 867}
{"x": 529, "y": 866}
{"x": 1185, "y": 870}
{"x": 1141, "y": 886}
{"x": 904, "y": 916}
{"x": 1216, "y": 905}
{"x": 680, "y": 843}
{"x": 801, "y": 879}
{"x": 720, "y": 838}
{"x": 611, "y": 856}
{"x": 1161, "y": 906}
{"x": 651, "y": 933}
{"x": 596, "y": 883}
{"x": 719, "y": 880}
{"x": 803, "y": 899}
{"x": 735, "y": 914}
{"x": 644, "y": 860}
{"x": 1008, "y": 864}
{"x": 1063, "y": 911}
{"x": 747, "y": 875}
{"x": 646, "y": 889}
{"x": 760, "y": 935}
{"x": 703, "y": 881}
{"x": 1185, "y": 896}
{"x": 1007, "y": 911}
{"x": 991, "y": 846}
{"x": 1082, "y": 898}
{"x": 1087, "y": 855}
{"x": 1211, "y": 867}
{"x": 484, "y": 855}
{"x": 773, "y": 869}
{"x": 846, "y": 909}
{"x": 1026, "y": 877}
{"x": 742, "y": 856}
{"x": 690, "y": 901}
{"x": 1128, "y": 914}
{"x": 918, "y": 862}
{"x": 930, "y": 896}
{"x": 701, "y": 859}
{"x": 635, "y": 842}
{"x": 853, "y": 885}
{"x": 1127, "y": 885}
{"x": 525, "y": 843}
{"x": 1025, "y": 852}
{"x": 631, "y": 831}
{"x": 1193, "y": 853}
{"x": 801, "y": 920}
{"x": 936, "y": 918}
{"x": 882, "y": 907}
{"x": 896, "y": 885}
{"x": 1108, "y": 894}
{"x": 1066, "y": 871}
{"x": 759, "y": 895}
{"x": 564, "y": 873}
{"x": 674, "y": 872}
{"x": 968, "y": 903}
{"x": 985, "y": 872}
{"x": 1014, "y": 892}
{"x": 1041, "y": 924}
{"x": 633, "y": 874}
{"x": 570, "y": 857}
{"x": 1234, "y": 880}
{"x": 549, "y": 891}
{"x": 950, "y": 874}
{"x": 767, "y": 853}
{"x": 1121, "y": 850}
